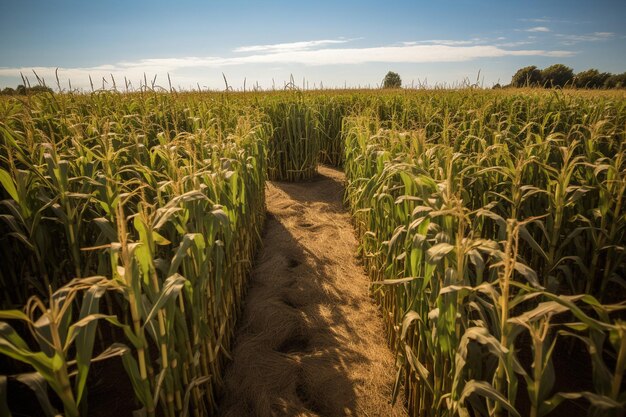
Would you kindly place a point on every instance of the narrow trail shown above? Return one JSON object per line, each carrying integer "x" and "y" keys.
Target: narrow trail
{"x": 311, "y": 341}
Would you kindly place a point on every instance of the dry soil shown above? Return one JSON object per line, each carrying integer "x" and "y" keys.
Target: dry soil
{"x": 310, "y": 341}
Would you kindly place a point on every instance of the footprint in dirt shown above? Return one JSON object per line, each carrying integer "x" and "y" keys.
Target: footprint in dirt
{"x": 311, "y": 227}
{"x": 297, "y": 343}
{"x": 293, "y": 263}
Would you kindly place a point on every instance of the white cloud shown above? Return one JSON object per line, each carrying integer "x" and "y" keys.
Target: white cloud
{"x": 591, "y": 37}
{"x": 447, "y": 42}
{"x": 291, "y": 46}
{"x": 183, "y": 69}
{"x": 538, "y": 29}
{"x": 514, "y": 44}
{"x": 537, "y": 20}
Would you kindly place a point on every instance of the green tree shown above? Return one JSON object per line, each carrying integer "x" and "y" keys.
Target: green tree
{"x": 392, "y": 80}
{"x": 7, "y": 91}
{"x": 557, "y": 75}
{"x": 40, "y": 89}
{"x": 616, "y": 81}
{"x": 527, "y": 77}
{"x": 23, "y": 90}
{"x": 592, "y": 78}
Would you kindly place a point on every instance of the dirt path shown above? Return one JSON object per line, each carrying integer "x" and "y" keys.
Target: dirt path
{"x": 310, "y": 342}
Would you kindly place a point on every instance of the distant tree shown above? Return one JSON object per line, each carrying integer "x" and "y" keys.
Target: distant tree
{"x": 22, "y": 90}
{"x": 616, "y": 81}
{"x": 496, "y": 86}
{"x": 557, "y": 75}
{"x": 527, "y": 77}
{"x": 39, "y": 89}
{"x": 392, "y": 80}
{"x": 8, "y": 91}
{"x": 592, "y": 78}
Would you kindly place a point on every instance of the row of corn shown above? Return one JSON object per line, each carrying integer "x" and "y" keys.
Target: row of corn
{"x": 129, "y": 226}
{"x": 493, "y": 230}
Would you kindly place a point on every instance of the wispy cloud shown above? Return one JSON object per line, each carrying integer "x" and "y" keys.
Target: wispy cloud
{"x": 536, "y": 20}
{"x": 310, "y": 53}
{"x": 538, "y": 29}
{"x": 447, "y": 42}
{"x": 590, "y": 37}
{"x": 290, "y": 46}
{"x": 515, "y": 44}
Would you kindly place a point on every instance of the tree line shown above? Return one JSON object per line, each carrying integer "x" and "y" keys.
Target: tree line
{"x": 23, "y": 90}
{"x": 559, "y": 75}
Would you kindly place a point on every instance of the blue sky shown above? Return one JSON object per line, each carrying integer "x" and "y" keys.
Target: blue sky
{"x": 336, "y": 43}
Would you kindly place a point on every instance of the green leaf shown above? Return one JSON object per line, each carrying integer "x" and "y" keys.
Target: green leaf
{"x": 526, "y": 236}
{"x": 159, "y": 240}
{"x": 547, "y": 307}
{"x": 37, "y": 384}
{"x": 7, "y": 182}
{"x": 141, "y": 388}
{"x": 484, "y": 389}
{"x": 106, "y": 228}
{"x": 418, "y": 368}
{"x": 172, "y": 287}
{"x": 86, "y": 336}
{"x": 438, "y": 251}
{"x": 186, "y": 243}
{"x": 13, "y": 314}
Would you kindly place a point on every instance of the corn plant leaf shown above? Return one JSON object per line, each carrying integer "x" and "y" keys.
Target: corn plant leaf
{"x": 141, "y": 387}
{"x": 106, "y": 228}
{"x": 438, "y": 251}
{"x": 190, "y": 387}
{"x": 10, "y": 221}
{"x": 12, "y": 345}
{"x": 528, "y": 238}
{"x": 484, "y": 389}
{"x": 396, "y": 385}
{"x": 543, "y": 309}
{"x": 4, "y": 405}
{"x": 396, "y": 281}
{"x": 38, "y": 385}
{"x": 86, "y": 336}
{"x": 418, "y": 367}
{"x": 602, "y": 402}
{"x": 7, "y": 182}
{"x": 13, "y": 314}
{"x": 528, "y": 273}
{"x": 550, "y": 404}
{"x": 159, "y": 239}
{"x": 570, "y": 303}
{"x": 171, "y": 289}
{"x": 181, "y": 253}
{"x": 163, "y": 216}
{"x": 160, "y": 379}
{"x": 116, "y": 349}
{"x": 408, "y": 319}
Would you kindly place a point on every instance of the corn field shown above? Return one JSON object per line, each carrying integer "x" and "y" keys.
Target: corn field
{"x": 491, "y": 224}
{"x": 492, "y": 229}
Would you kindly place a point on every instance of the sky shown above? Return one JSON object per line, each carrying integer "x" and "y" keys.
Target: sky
{"x": 332, "y": 44}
